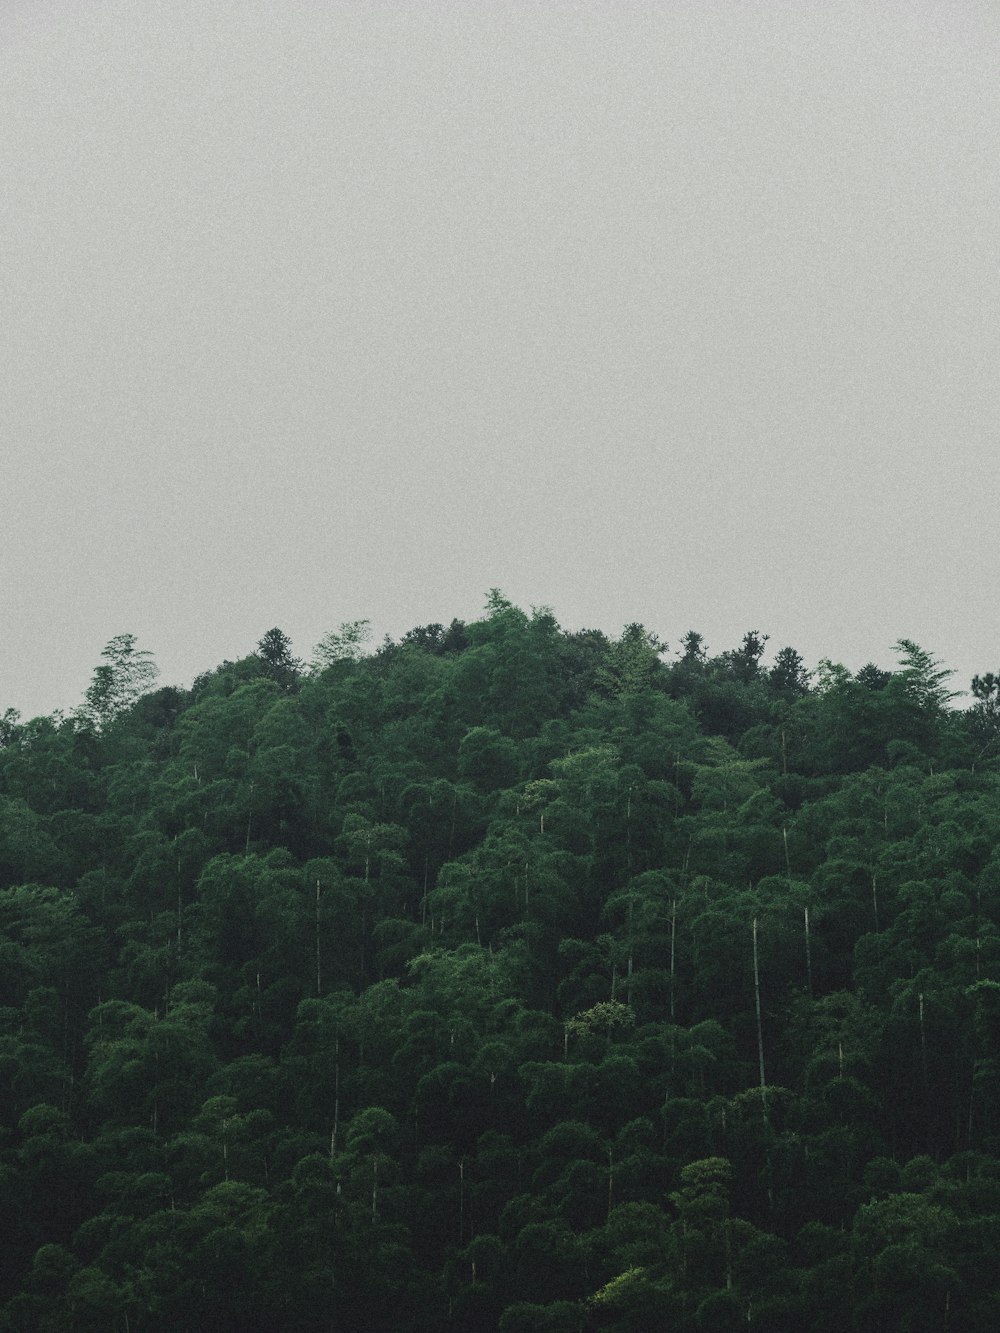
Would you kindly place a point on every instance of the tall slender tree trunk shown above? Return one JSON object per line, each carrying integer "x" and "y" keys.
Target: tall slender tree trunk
{"x": 319, "y": 972}
{"x": 628, "y": 974}
{"x": 673, "y": 956}
{"x": 628, "y": 831}
{"x": 760, "y": 1028}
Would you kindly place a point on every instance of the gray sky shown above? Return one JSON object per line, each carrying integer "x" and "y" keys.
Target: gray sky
{"x": 685, "y": 313}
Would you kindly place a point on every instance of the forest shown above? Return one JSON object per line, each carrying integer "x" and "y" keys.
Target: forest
{"x": 503, "y": 977}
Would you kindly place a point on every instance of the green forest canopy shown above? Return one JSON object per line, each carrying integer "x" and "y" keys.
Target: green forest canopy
{"x": 502, "y": 977}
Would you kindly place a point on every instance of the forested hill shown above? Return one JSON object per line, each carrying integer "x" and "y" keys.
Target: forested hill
{"x": 502, "y": 978}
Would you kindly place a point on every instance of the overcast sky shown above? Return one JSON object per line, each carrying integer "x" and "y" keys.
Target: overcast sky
{"x": 684, "y": 313}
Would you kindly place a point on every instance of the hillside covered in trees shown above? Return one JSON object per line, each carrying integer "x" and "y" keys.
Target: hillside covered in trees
{"x": 502, "y": 978}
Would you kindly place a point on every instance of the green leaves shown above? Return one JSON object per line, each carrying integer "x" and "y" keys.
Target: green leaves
{"x": 923, "y": 676}
{"x": 344, "y": 644}
{"x": 605, "y": 1018}
{"x": 421, "y": 991}
{"x": 126, "y": 673}
{"x": 633, "y": 663}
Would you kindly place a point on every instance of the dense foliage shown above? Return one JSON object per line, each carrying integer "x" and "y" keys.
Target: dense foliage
{"x": 503, "y": 978}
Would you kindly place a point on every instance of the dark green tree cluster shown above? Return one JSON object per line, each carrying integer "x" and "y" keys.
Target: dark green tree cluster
{"x": 502, "y": 978}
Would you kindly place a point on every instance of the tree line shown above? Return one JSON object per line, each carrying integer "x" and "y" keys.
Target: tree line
{"x": 502, "y": 977}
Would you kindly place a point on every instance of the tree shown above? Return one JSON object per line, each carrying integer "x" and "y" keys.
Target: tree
{"x": 788, "y": 675}
{"x": 703, "y": 1230}
{"x": 344, "y": 644}
{"x": 983, "y": 718}
{"x": 873, "y": 678}
{"x": 437, "y": 638}
{"x": 923, "y": 676}
{"x": 275, "y": 652}
{"x": 488, "y": 759}
{"x": 695, "y": 653}
{"x": 126, "y": 673}
{"x": 147, "y": 1068}
{"x": 633, "y": 662}
{"x": 9, "y": 726}
{"x": 986, "y": 688}
{"x": 744, "y": 661}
